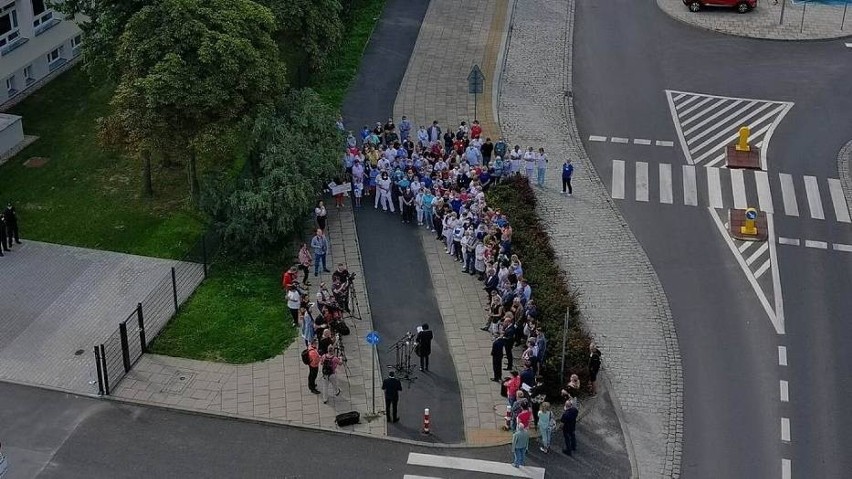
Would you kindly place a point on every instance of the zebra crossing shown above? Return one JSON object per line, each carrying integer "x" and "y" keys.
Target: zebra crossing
{"x": 455, "y": 463}
{"x": 819, "y": 199}
{"x": 706, "y": 124}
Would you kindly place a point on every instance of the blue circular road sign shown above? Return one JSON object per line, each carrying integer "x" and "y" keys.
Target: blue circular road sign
{"x": 373, "y": 338}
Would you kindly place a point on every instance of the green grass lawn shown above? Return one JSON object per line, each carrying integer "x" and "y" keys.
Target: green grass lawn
{"x": 85, "y": 195}
{"x": 236, "y": 316}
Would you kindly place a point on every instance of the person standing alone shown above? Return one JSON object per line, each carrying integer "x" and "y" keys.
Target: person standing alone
{"x": 11, "y": 218}
{"x": 541, "y": 167}
{"x": 319, "y": 243}
{"x": 520, "y": 443}
{"x": 391, "y": 386}
{"x": 313, "y": 367}
{"x": 567, "y": 173}
{"x": 424, "y": 346}
{"x": 569, "y": 427}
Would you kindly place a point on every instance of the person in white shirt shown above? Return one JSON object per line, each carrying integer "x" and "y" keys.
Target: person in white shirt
{"x": 529, "y": 163}
{"x": 383, "y": 185}
{"x": 541, "y": 166}
{"x": 294, "y": 301}
{"x": 418, "y": 205}
{"x": 515, "y": 159}
{"x": 383, "y": 164}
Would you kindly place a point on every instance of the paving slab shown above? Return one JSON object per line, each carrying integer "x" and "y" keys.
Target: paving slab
{"x": 56, "y": 301}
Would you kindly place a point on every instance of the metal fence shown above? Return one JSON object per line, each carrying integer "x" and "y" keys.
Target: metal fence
{"x": 115, "y": 357}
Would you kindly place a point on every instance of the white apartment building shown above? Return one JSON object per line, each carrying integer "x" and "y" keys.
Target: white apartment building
{"x": 36, "y": 44}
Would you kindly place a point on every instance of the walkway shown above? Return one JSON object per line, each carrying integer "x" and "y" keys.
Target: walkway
{"x": 822, "y": 19}
{"x": 622, "y": 301}
{"x": 275, "y": 389}
{"x": 58, "y": 302}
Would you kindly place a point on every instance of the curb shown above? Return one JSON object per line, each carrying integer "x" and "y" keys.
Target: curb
{"x": 684, "y": 21}
{"x": 844, "y": 157}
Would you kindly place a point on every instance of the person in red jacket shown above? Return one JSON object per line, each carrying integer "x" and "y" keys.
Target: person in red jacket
{"x": 475, "y": 129}
{"x": 289, "y": 277}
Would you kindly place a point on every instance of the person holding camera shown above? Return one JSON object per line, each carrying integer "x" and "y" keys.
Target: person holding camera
{"x": 424, "y": 346}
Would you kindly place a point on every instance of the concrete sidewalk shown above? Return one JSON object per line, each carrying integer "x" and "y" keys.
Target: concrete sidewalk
{"x": 276, "y": 389}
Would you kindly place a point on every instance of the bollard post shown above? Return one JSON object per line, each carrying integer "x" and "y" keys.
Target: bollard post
{"x": 100, "y": 373}
{"x": 426, "y": 422}
{"x": 508, "y": 418}
{"x": 749, "y": 228}
{"x": 742, "y": 144}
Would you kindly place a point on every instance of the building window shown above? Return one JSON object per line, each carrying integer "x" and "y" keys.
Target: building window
{"x": 77, "y": 41}
{"x": 8, "y": 25}
{"x": 38, "y": 7}
{"x": 10, "y": 86}
{"x": 54, "y": 56}
{"x": 28, "y": 74}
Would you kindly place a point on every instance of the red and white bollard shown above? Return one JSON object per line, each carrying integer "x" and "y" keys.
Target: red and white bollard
{"x": 426, "y": 421}
{"x": 508, "y": 418}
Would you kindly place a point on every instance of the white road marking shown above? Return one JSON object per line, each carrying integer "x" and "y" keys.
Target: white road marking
{"x": 842, "y": 247}
{"x": 768, "y": 136}
{"x": 816, "y": 244}
{"x": 764, "y": 195}
{"x": 478, "y": 465}
{"x": 734, "y": 136}
{"x": 788, "y": 192}
{"x": 848, "y": 45}
{"x": 695, "y": 107}
{"x": 814, "y": 201}
{"x": 710, "y": 118}
{"x": 789, "y": 241}
{"x": 841, "y": 211}
{"x": 411, "y": 476}
{"x": 640, "y": 141}
{"x": 666, "y": 195}
{"x": 728, "y": 119}
{"x": 682, "y": 95}
{"x": 782, "y": 355}
{"x": 618, "y": 179}
{"x": 688, "y": 101}
{"x": 785, "y": 429}
{"x": 717, "y": 160}
{"x": 763, "y": 268}
{"x": 690, "y": 188}
{"x": 597, "y": 138}
{"x": 738, "y": 188}
{"x": 758, "y": 253}
{"x": 746, "y": 245}
{"x": 641, "y": 181}
{"x": 785, "y": 391}
{"x": 776, "y": 319}
{"x": 786, "y": 469}
{"x": 664, "y": 143}
{"x": 776, "y": 277}
{"x": 617, "y": 139}
{"x": 714, "y": 188}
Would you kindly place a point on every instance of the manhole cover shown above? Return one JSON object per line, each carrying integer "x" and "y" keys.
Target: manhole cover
{"x": 36, "y": 162}
{"x": 78, "y": 352}
{"x": 178, "y": 382}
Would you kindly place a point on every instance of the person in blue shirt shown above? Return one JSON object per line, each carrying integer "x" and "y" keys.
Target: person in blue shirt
{"x": 567, "y": 172}
{"x": 374, "y": 173}
{"x": 428, "y": 198}
{"x": 498, "y": 168}
{"x": 404, "y": 128}
{"x": 365, "y": 133}
{"x": 402, "y": 184}
{"x": 456, "y": 204}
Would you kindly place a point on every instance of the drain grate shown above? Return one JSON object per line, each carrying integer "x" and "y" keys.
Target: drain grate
{"x": 178, "y": 382}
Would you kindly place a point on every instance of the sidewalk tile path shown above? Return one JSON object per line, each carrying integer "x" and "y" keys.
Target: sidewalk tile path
{"x": 821, "y": 20}
{"x": 59, "y": 301}
{"x": 275, "y": 389}
{"x": 621, "y": 299}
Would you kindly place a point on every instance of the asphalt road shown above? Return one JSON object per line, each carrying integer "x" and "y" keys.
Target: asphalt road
{"x": 395, "y": 269}
{"x": 626, "y": 54}
{"x": 47, "y": 434}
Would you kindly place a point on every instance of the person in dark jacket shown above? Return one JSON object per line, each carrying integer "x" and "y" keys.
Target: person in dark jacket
{"x": 594, "y": 367}
{"x": 4, "y": 246}
{"x": 569, "y": 427}
{"x": 11, "y": 224}
{"x": 497, "y": 357}
{"x": 424, "y": 346}
{"x": 567, "y": 173}
{"x": 391, "y": 386}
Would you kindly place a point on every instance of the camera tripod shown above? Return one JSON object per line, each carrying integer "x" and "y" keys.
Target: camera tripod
{"x": 354, "y": 307}
{"x": 341, "y": 353}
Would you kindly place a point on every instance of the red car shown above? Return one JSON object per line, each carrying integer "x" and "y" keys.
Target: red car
{"x": 742, "y": 6}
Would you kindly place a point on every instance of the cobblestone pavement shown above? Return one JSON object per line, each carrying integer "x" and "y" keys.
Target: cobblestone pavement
{"x": 469, "y": 32}
{"x": 276, "y": 389}
{"x": 820, "y": 21}
{"x": 58, "y": 301}
{"x": 621, "y": 299}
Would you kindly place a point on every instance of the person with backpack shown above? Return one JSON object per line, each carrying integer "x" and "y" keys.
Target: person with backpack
{"x": 311, "y": 358}
{"x": 329, "y": 361}
{"x": 567, "y": 173}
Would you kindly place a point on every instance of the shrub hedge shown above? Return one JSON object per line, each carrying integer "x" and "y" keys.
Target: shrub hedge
{"x": 530, "y": 241}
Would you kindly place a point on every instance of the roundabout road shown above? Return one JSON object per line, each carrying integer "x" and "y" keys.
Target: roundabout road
{"x": 760, "y": 327}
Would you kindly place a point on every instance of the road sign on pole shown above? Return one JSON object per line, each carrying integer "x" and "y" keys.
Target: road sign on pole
{"x": 373, "y": 339}
{"x": 475, "y": 85}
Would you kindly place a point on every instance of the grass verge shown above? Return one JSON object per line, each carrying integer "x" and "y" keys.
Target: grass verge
{"x": 87, "y": 196}
{"x": 236, "y": 316}
{"x": 531, "y": 243}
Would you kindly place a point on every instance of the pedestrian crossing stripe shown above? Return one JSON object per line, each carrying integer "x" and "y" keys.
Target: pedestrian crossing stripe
{"x": 707, "y": 124}
{"x": 726, "y": 188}
{"x": 477, "y": 465}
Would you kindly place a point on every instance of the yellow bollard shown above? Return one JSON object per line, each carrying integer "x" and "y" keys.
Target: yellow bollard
{"x": 749, "y": 228}
{"x": 742, "y": 145}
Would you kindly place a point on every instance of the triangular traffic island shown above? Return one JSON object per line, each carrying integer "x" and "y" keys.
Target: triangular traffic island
{"x": 747, "y": 225}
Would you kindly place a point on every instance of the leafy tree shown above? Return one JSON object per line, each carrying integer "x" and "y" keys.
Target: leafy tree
{"x": 316, "y": 25}
{"x": 190, "y": 71}
{"x": 297, "y": 148}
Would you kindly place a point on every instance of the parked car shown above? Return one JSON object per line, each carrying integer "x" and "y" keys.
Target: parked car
{"x": 742, "y": 6}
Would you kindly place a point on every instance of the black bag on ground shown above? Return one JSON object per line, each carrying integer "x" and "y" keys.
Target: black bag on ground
{"x": 348, "y": 418}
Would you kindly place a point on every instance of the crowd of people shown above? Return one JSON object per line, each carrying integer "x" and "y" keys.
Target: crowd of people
{"x": 9, "y": 234}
